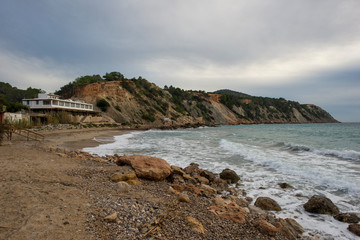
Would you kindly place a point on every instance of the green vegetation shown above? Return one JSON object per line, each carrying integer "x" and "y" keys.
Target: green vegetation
{"x": 11, "y": 97}
{"x": 148, "y": 117}
{"x": 103, "y": 105}
{"x": 231, "y": 92}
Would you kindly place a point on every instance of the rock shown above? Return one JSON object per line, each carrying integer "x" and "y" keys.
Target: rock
{"x": 200, "y": 179}
{"x": 177, "y": 170}
{"x": 322, "y": 205}
{"x": 228, "y": 209}
{"x": 111, "y": 218}
{"x": 347, "y": 217}
{"x": 192, "y": 169}
{"x": 220, "y": 184}
{"x": 195, "y": 224}
{"x": 173, "y": 191}
{"x": 123, "y": 187}
{"x": 354, "y": 228}
{"x": 178, "y": 187}
{"x": 231, "y": 175}
{"x": 192, "y": 188}
{"x": 285, "y": 185}
{"x": 266, "y": 228}
{"x": 267, "y": 203}
{"x": 209, "y": 175}
{"x": 183, "y": 197}
{"x": 147, "y": 167}
{"x": 290, "y": 228}
{"x": 134, "y": 181}
{"x": 207, "y": 189}
{"x": 119, "y": 176}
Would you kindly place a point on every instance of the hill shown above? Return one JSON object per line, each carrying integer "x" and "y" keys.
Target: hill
{"x": 136, "y": 101}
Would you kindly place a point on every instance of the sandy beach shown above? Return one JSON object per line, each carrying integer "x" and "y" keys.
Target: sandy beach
{"x": 49, "y": 190}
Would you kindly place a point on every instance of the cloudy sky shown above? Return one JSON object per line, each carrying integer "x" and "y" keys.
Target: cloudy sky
{"x": 305, "y": 50}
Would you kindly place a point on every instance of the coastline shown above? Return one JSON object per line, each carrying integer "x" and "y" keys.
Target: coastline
{"x": 83, "y": 196}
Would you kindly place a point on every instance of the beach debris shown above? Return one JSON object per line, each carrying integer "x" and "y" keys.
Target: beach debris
{"x": 354, "y": 228}
{"x": 322, "y": 205}
{"x": 267, "y": 203}
{"x": 347, "y": 217}
{"x": 121, "y": 176}
{"x": 195, "y": 224}
{"x": 229, "y": 175}
{"x": 147, "y": 167}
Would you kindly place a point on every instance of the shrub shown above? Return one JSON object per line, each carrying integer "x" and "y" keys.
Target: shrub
{"x": 103, "y": 105}
{"x": 148, "y": 117}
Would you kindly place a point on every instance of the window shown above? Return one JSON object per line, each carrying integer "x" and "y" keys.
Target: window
{"x": 67, "y": 104}
{"x": 46, "y": 102}
{"x": 73, "y": 105}
{"x": 61, "y": 103}
{"x": 37, "y": 102}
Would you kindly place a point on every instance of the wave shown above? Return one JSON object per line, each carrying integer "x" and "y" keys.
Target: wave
{"x": 342, "y": 154}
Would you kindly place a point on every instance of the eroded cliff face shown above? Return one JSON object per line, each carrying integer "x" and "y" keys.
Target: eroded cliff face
{"x": 143, "y": 103}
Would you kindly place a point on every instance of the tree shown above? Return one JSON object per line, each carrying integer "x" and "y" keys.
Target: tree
{"x": 114, "y": 76}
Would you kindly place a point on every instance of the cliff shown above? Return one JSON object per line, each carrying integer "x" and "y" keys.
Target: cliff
{"x": 139, "y": 102}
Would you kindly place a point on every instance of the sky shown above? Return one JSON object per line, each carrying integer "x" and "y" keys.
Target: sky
{"x": 307, "y": 51}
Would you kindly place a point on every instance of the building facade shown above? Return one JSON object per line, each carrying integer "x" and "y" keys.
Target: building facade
{"x": 53, "y": 102}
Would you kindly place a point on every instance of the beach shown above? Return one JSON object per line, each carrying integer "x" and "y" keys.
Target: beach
{"x": 52, "y": 190}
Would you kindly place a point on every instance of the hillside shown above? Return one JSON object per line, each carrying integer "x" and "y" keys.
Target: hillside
{"x": 139, "y": 102}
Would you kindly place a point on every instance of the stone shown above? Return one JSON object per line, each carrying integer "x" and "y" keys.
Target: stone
{"x": 228, "y": 174}
{"x": 177, "y": 170}
{"x": 207, "y": 189}
{"x": 200, "y": 179}
{"x": 192, "y": 188}
{"x": 123, "y": 187}
{"x": 192, "y": 169}
{"x": 195, "y": 224}
{"x": 285, "y": 185}
{"x": 228, "y": 209}
{"x": 147, "y": 167}
{"x": 134, "y": 181}
{"x": 290, "y": 228}
{"x": 347, "y": 217}
{"x": 267, "y": 203}
{"x": 219, "y": 184}
{"x": 119, "y": 176}
{"x": 209, "y": 175}
{"x": 178, "y": 187}
{"x": 354, "y": 228}
{"x": 322, "y": 205}
{"x": 111, "y": 218}
{"x": 266, "y": 228}
{"x": 173, "y": 191}
{"x": 183, "y": 197}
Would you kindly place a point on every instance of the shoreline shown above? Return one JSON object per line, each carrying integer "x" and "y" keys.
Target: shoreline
{"x": 59, "y": 160}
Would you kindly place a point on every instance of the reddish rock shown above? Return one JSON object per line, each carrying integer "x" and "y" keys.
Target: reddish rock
{"x": 195, "y": 224}
{"x": 347, "y": 217}
{"x": 227, "y": 209}
{"x": 229, "y": 175}
{"x": 192, "y": 188}
{"x": 266, "y": 228}
{"x": 147, "y": 167}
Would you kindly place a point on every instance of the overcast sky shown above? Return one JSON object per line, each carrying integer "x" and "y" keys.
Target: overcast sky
{"x": 305, "y": 50}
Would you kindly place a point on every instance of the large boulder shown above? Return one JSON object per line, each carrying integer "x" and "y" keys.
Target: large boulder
{"x": 229, "y": 175}
{"x": 267, "y": 203}
{"x": 322, "y": 205}
{"x": 354, "y": 228}
{"x": 147, "y": 167}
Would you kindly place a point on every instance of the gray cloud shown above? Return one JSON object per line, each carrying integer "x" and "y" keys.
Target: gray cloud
{"x": 263, "y": 48}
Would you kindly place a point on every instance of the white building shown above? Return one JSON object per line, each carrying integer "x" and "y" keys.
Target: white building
{"x": 51, "y": 101}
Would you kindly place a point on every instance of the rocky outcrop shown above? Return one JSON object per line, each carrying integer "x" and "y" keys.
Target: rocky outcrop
{"x": 321, "y": 205}
{"x": 147, "y": 167}
{"x": 267, "y": 203}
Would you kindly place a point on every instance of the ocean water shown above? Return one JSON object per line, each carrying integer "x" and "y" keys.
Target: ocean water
{"x": 313, "y": 158}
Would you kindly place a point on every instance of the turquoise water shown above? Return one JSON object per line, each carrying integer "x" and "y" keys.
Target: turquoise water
{"x": 314, "y": 158}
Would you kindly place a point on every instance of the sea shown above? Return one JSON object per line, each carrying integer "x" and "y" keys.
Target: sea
{"x": 321, "y": 159}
